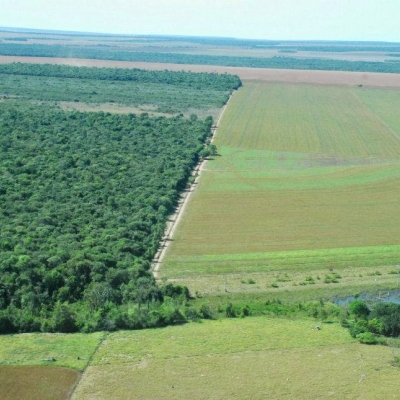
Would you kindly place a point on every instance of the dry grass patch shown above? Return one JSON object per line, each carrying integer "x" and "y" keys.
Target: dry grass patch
{"x": 322, "y": 282}
{"x": 121, "y": 109}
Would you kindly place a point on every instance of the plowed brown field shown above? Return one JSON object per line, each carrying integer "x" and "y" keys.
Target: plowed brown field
{"x": 36, "y": 382}
{"x": 246, "y": 74}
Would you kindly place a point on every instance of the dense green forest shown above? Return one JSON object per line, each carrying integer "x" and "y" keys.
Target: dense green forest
{"x": 115, "y": 53}
{"x": 172, "y": 92}
{"x": 85, "y": 197}
{"x": 198, "y": 81}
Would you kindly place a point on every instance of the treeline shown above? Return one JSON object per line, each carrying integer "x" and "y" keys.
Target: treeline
{"x": 164, "y": 91}
{"x": 320, "y": 46}
{"x": 36, "y": 50}
{"x": 198, "y": 81}
{"x": 342, "y": 48}
{"x": 84, "y": 200}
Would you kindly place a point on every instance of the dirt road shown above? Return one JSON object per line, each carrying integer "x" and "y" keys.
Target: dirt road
{"x": 182, "y": 204}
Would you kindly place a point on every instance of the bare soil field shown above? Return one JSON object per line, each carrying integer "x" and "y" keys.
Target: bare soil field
{"x": 36, "y": 382}
{"x": 246, "y": 74}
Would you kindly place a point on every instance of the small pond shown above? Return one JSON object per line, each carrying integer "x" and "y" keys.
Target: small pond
{"x": 381, "y": 296}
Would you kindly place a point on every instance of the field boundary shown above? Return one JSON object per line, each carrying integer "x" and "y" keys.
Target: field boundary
{"x": 78, "y": 381}
{"x": 174, "y": 219}
{"x": 376, "y": 116}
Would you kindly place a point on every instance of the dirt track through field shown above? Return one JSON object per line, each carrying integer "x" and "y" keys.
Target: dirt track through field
{"x": 174, "y": 219}
{"x": 370, "y": 79}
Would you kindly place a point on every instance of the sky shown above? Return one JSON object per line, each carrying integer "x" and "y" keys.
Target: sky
{"x": 364, "y": 20}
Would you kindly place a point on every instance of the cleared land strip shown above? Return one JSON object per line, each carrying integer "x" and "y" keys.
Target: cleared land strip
{"x": 307, "y": 181}
{"x": 246, "y": 74}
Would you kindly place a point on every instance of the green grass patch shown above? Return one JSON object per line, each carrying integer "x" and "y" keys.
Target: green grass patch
{"x": 214, "y": 337}
{"x": 300, "y": 260}
{"x": 68, "y": 350}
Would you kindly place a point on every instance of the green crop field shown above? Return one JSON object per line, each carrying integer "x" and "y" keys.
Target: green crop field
{"x": 307, "y": 180}
{"x": 253, "y": 358}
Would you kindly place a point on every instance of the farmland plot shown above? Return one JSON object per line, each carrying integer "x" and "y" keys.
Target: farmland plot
{"x": 255, "y": 358}
{"x": 43, "y": 366}
{"x": 307, "y": 178}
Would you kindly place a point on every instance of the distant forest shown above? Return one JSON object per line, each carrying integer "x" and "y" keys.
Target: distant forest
{"x": 114, "y": 53}
{"x": 170, "y": 92}
{"x": 84, "y": 201}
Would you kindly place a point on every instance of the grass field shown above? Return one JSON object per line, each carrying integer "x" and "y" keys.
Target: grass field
{"x": 72, "y": 351}
{"x": 306, "y": 181}
{"x": 254, "y": 358}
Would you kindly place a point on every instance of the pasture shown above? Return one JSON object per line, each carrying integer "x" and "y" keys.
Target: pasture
{"x": 68, "y": 350}
{"x": 254, "y": 358}
{"x": 306, "y": 182}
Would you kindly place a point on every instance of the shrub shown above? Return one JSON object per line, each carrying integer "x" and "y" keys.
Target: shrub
{"x": 358, "y": 327}
{"x": 206, "y": 312}
{"x": 245, "y": 311}
{"x": 367, "y": 338}
{"x": 192, "y": 314}
{"x": 330, "y": 279}
{"x": 359, "y": 309}
{"x": 389, "y": 315}
{"x": 375, "y": 325}
{"x": 230, "y": 311}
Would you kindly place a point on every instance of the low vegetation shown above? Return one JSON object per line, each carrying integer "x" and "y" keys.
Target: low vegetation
{"x": 254, "y": 357}
{"x": 49, "y": 349}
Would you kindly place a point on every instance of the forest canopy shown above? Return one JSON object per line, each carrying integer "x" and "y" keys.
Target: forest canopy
{"x": 84, "y": 201}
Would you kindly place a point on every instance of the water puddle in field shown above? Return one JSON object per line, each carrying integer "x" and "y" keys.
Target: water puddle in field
{"x": 382, "y": 296}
